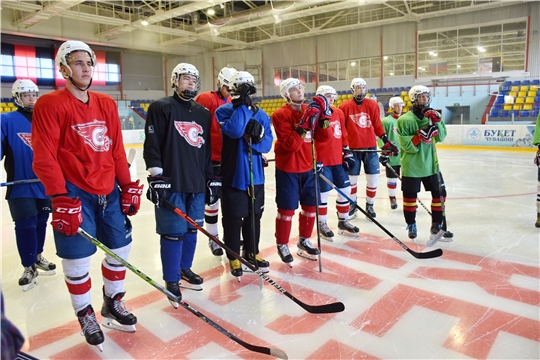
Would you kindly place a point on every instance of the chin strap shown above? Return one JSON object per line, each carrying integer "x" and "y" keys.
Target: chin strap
{"x": 86, "y": 88}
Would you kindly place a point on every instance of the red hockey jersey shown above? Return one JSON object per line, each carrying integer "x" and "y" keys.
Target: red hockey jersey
{"x": 211, "y": 100}
{"x": 330, "y": 153}
{"x": 363, "y": 122}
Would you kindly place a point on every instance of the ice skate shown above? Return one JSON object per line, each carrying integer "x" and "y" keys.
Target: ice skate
{"x": 537, "y": 221}
{"x": 285, "y": 254}
{"x": 370, "y": 211}
{"x": 307, "y": 250}
{"x": 46, "y": 267}
{"x": 353, "y": 212}
{"x": 446, "y": 235}
{"x": 412, "y": 232}
{"x": 90, "y": 327}
{"x": 348, "y": 229}
{"x": 115, "y": 315}
{"x": 174, "y": 289}
{"x": 215, "y": 248}
{"x": 236, "y": 269}
{"x": 393, "y": 203}
{"x": 262, "y": 264}
{"x": 28, "y": 279}
{"x": 190, "y": 280}
{"x": 325, "y": 231}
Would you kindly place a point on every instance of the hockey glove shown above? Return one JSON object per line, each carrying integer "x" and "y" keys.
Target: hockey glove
{"x": 324, "y": 105}
{"x": 428, "y": 132}
{"x": 383, "y": 159}
{"x": 158, "y": 189}
{"x": 389, "y": 147}
{"x": 213, "y": 191}
{"x": 319, "y": 167}
{"x": 67, "y": 214}
{"x": 537, "y": 157}
{"x": 255, "y": 130}
{"x": 242, "y": 95}
{"x": 348, "y": 159}
{"x": 264, "y": 161}
{"x": 131, "y": 198}
{"x": 433, "y": 115}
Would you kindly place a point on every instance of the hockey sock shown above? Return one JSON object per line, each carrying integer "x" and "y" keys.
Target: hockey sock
{"x": 114, "y": 272}
{"x": 171, "y": 253}
{"x": 231, "y": 234}
{"x": 247, "y": 233}
{"x": 371, "y": 187}
{"x": 283, "y": 225}
{"x": 353, "y": 179}
{"x": 306, "y": 221}
{"x": 77, "y": 278}
{"x": 188, "y": 248}
{"x": 538, "y": 200}
{"x": 392, "y": 185}
{"x": 211, "y": 218}
{"x": 342, "y": 204}
{"x": 409, "y": 207}
{"x": 436, "y": 208}
{"x": 41, "y": 230}
{"x": 27, "y": 241}
{"x": 323, "y": 208}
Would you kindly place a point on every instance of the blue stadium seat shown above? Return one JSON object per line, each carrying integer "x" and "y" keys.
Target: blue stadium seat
{"x": 494, "y": 113}
{"x": 535, "y": 82}
{"x": 500, "y": 99}
{"x": 526, "y": 82}
{"x": 525, "y": 113}
{"x": 516, "y": 83}
{"x": 507, "y": 83}
{"x": 497, "y": 107}
{"x": 504, "y": 113}
{"x": 504, "y": 92}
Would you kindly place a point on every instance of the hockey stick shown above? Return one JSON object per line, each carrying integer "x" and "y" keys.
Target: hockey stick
{"x": 131, "y": 156}
{"x": 372, "y": 150}
{"x": 260, "y": 349}
{"x": 399, "y": 177}
{"x": 316, "y": 188}
{"x": 18, "y": 182}
{"x": 314, "y": 309}
{"x": 426, "y": 255}
{"x": 436, "y": 237}
{"x": 252, "y": 208}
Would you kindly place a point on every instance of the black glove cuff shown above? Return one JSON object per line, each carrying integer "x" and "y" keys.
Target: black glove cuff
{"x": 384, "y": 138}
{"x": 300, "y": 131}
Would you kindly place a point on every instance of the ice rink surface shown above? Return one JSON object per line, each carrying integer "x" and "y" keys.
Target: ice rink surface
{"x": 480, "y": 300}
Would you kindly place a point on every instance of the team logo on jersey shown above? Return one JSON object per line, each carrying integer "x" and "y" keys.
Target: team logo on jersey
{"x": 337, "y": 129}
{"x": 93, "y": 134}
{"x": 361, "y": 120}
{"x": 190, "y": 131}
{"x": 26, "y": 138}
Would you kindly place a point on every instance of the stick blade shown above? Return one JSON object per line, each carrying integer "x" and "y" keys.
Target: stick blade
{"x": 323, "y": 309}
{"x": 426, "y": 255}
{"x": 435, "y": 237}
{"x": 278, "y": 353}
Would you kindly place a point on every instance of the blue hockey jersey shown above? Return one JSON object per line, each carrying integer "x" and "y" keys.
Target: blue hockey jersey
{"x": 18, "y": 154}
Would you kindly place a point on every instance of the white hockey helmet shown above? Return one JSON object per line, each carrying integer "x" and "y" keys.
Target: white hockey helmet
{"x": 359, "y": 82}
{"x": 71, "y": 46}
{"x": 396, "y": 100}
{"x": 241, "y": 77}
{"x": 224, "y": 76}
{"x": 185, "y": 69}
{"x": 418, "y": 90}
{"x": 22, "y": 86}
{"x": 286, "y": 85}
{"x": 326, "y": 89}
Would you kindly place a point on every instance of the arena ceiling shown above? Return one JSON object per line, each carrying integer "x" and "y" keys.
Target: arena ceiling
{"x": 217, "y": 25}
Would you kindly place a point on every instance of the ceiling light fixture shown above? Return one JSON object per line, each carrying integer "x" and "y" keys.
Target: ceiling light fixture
{"x": 144, "y": 23}
{"x": 211, "y": 12}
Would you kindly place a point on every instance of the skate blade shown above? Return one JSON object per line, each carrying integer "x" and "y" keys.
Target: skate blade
{"x": 186, "y": 285}
{"x": 329, "y": 239}
{"x": 306, "y": 255}
{"x": 113, "y": 324}
{"x": 349, "y": 234}
{"x": 46, "y": 272}
{"x": 245, "y": 269}
{"x": 30, "y": 286}
{"x": 100, "y": 347}
{"x": 174, "y": 303}
{"x": 434, "y": 238}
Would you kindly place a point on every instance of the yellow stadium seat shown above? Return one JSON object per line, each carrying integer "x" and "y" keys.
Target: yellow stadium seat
{"x": 350, "y": 96}
{"x": 514, "y": 88}
{"x": 406, "y": 98}
{"x": 3, "y": 105}
{"x": 405, "y": 109}
{"x": 409, "y": 103}
{"x": 532, "y": 93}
{"x": 508, "y": 107}
{"x": 524, "y": 88}
{"x": 527, "y": 107}
{"x": 522, "y": 94}
{"x": 533, "y": 88}
{"x": 513, "y": 93}
{"x": 518, "y": 106}
{"x": 403, "y": 94}
{"x": 520, "y": 100}
{"x": 11, "y": 105}
{"x": 529, "y": 100}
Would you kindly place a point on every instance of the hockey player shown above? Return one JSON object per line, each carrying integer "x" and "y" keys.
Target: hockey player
{"x": 363, "y": 122}
{"x": 212, "y": 100}
{"x": 418, "y": 131}
{"x": 295, "y": 123}
{"x": 28, "y": 204}
{"x": 178, "y": 152}
{"x": 337, "y": 159}
{"x": 536, "y": 141}
{"x": 243, "y": 125}
{"x": 80, "y": 158}
{"x": 390, "y": 127}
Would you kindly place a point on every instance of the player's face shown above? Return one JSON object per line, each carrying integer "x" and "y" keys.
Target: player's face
{"x": 187, "y": 82}
{"x": 296, "y": 93}
{"x": 360, "y": 90}
{"x": 28, "y": 99}
{"x": 398, "y": 109}
{"x": 330, "y": 98}
{"x": 225, "y": 91}
{"x": 82, "y": 70}
{"x": 422, "y": 99}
